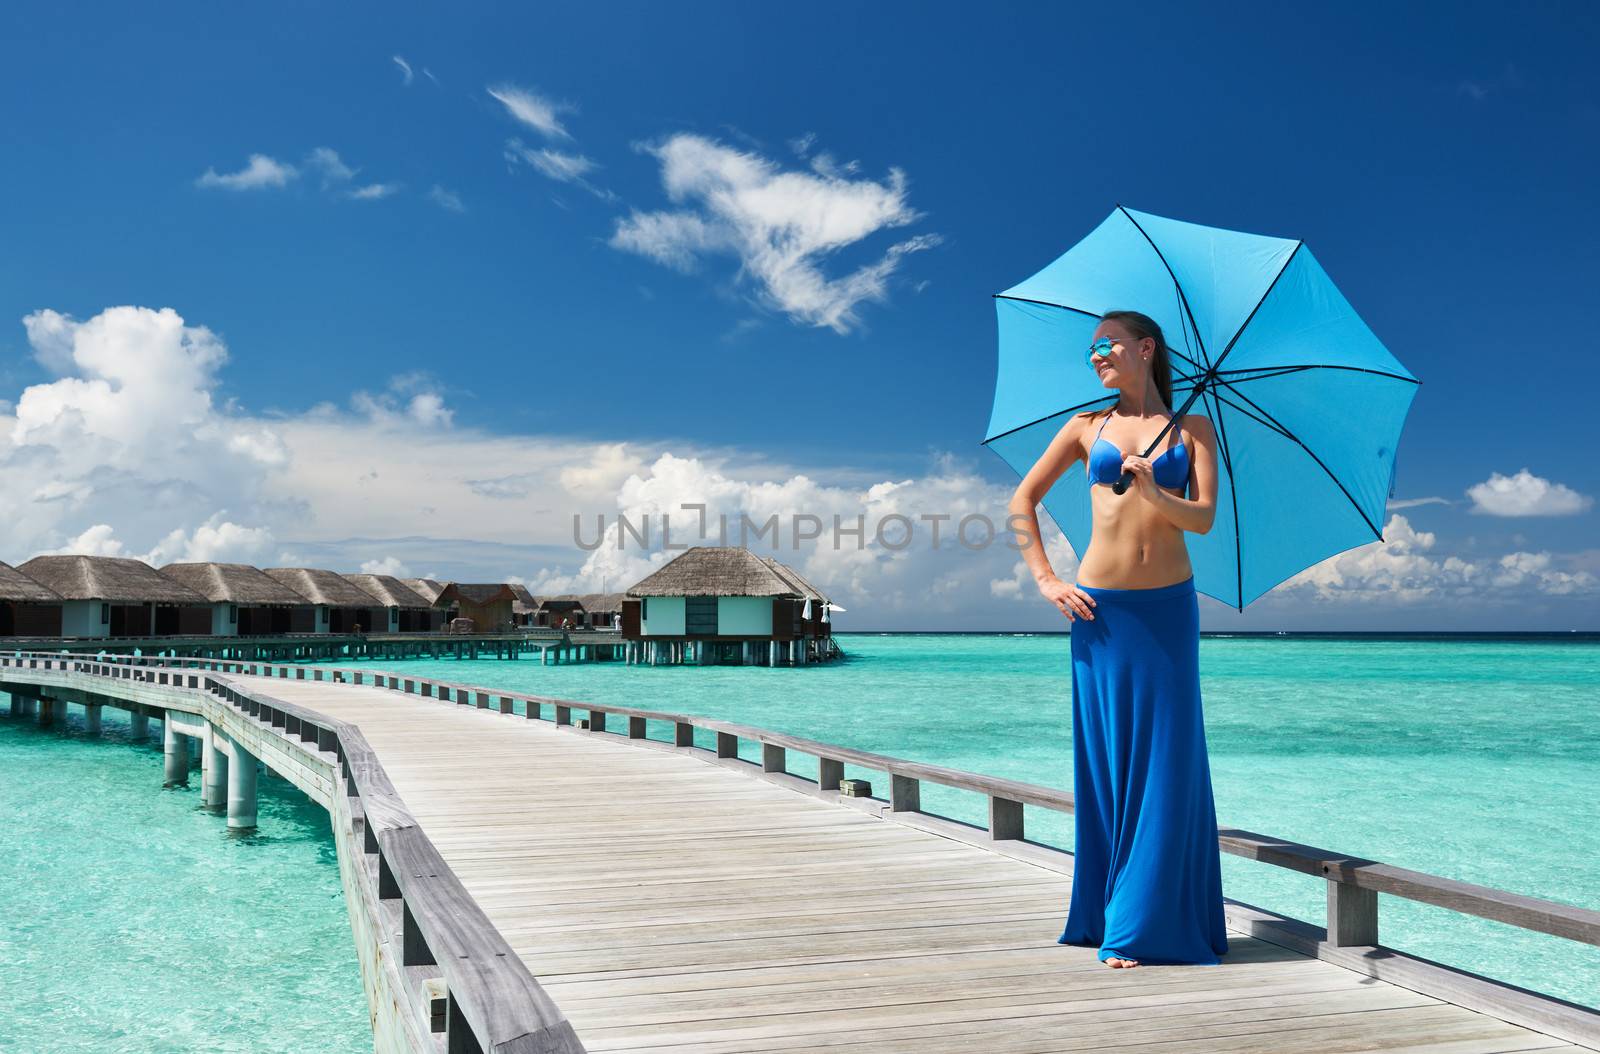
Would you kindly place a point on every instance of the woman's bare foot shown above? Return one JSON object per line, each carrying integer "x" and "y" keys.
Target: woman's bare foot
{"x": 1121, "y": 964}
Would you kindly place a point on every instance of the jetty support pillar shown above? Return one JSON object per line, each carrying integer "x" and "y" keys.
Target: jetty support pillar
{"x": 213, "y": 773}
{"x": 241, "y": 792}
{"x": 176, "y": 748}
{"x": 91, "y": 717}
{"x": 138, "y": 725}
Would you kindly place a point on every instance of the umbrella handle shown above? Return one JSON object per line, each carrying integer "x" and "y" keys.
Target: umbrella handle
{"x": 1121, "y": 485}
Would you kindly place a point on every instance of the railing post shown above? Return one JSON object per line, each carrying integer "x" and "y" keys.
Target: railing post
{"x": 905, "y": 793}
{"x": 1352, "y": 915}
{"x": 727, "y": 745}
{"x": 830, "y": 771}
{"x": 1005, "y": 819}
{"x": 773, "y": 758}
{"x": 682, "y": 734}
{"x": 563, "y": 714}
{"x": 635, "y": 728}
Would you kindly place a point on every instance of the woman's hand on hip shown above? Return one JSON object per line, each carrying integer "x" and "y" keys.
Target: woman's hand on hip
{"x": 1073, "y": 602}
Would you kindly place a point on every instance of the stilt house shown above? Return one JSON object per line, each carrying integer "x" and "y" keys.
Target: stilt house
{"x": 409, "y": 612}
{"x": 115, "y": 596}
{"x": 245, "y": 601}
{"x": 27, "y": 609}
{"x": 726, "y": 604}
{"x": 338, "y": 605}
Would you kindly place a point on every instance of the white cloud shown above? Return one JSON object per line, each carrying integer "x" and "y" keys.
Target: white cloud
{"x": 1525, "y": 495}
{"x": 559, "y": 166}
{"x": 405, "y": 68}
{"x": 532, "y": 109}
{"x": 130, "y": 452}
{"x": 261, "y": 173}
{"x": 602, "y": 473}
{"x": 215, "y": 540}
{"x": 412, "y": 397}
{"x": 52, "y": 336}
{"x": 99, "y": 540}
{"x": 389, "y": 565}
{"x": 1021, "y": 586}
{"x": 326, "y": 160}
{"x": 1409, "y": 503}
{"x": 780, "y": 225}
{"x": 448, "y": 200}
{"x": 375, "y": 191}
{"x": 335, "y": 176}
{"x": 556, "y": 165}
{"x": 428, "y": 408}
{"x": 128, "y": 434}
{"x": 1400, "y": 569}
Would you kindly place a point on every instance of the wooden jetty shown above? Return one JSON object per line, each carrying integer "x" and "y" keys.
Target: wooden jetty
{"x": 552, "y": 646}
{"x": 521, "y": 878}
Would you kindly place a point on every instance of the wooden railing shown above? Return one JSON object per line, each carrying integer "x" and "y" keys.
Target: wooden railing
{"x": 1353, "y": 883}
{"x": 490, "y": 1002}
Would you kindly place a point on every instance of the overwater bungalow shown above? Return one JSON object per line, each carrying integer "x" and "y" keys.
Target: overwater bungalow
{"x": 409, "y": 611}
{"x": 727, "y": 605}
{"x": 339, "y": 605}
{"x": 245, "y": 601}
{"x": 426, "y": 588}
{"x": 487, "y": 604}
{"x": 602, "y": 608}
{"x": 556, "y": 610}
{"x": 27, "y": 609}
{"x": 525, "y": 609}
{"x": 116, "y": 596}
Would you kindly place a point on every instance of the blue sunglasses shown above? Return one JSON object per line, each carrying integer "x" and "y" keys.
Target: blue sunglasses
{"x": 1101, "y": 347}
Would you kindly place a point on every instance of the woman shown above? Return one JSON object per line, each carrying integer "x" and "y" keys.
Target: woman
{"x": 1147, "y": 874}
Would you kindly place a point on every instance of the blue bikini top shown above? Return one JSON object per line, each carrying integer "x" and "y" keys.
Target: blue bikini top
{"x": 1171, "y": 469}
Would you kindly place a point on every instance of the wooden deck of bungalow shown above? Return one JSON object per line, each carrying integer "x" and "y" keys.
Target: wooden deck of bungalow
{"x": 574, "y": 884}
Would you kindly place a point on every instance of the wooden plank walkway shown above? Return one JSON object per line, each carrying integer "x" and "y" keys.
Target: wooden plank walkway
{"x": 670, "y": 905}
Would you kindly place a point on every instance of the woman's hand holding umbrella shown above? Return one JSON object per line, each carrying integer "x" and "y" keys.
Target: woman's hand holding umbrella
{"x": 1144, "y": 477}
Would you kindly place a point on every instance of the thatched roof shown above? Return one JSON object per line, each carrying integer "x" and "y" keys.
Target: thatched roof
{"x": 118, "y": 579}
{"x": 478, "y": 593}
{"x": 805, "y": 588}
{"x": 561, "y": 602}
{"x": 523, "y": 595}
{"x": 233, "y": 584}
{"x": 724, "y": 571}
{"x": 392, "y": 592}
{"x": 426, "y": 588}
{"x": 19, "y": 588}
{"x": 328, "y": 588}
{"x": 604, "y": 603}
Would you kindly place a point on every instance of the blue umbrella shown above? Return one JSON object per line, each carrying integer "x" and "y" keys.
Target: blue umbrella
{"x": 1308, "y": 405}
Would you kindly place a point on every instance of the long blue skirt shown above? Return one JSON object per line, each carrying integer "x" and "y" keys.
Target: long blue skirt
{"x": 1147, "y": 873}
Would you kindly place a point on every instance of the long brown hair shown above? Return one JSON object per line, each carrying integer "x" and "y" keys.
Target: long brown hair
{"x": 1141, "y": 326}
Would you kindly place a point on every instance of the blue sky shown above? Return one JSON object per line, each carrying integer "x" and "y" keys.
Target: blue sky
{"x": 459, "y": 237}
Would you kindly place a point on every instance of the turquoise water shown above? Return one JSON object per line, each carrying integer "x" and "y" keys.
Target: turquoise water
{"x": 133, "y": 922}
{"x": 1478, "y": 761}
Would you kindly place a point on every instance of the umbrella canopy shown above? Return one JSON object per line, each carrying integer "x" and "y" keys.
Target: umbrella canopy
{"x": 1307, "y": 403}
